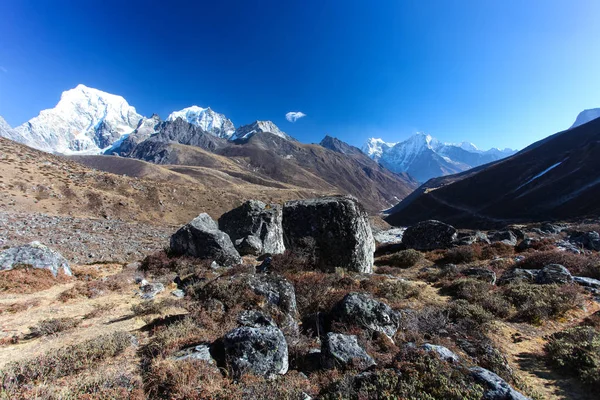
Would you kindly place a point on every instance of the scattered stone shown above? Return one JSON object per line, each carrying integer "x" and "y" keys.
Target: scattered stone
{"x": 587, "y": 282}
{"x": 34, "y": 255}
{"x": 279, "y": 292}
{"x": 362, "y": 310}
{"x": 429, "y": 235}
{"x": 150, "y": 290}
{"x": 519, "y": 275}
{"x": 389, "y": 236}
{"x": 587, "y": 240}
{"x": 339, "y": 350}
{"x": 255, "y": 228}
{"x": 262, "y": 351}
{"x": 200, "y": 352}
{"x": 554, "y": 273}
{"x": 214, "y": 265}
{"x": 254, "y": 319}
{"x": 526, "y": 244}
{"x": 564, "y": 245}
{"x": 180, "y": 294}
{"x": 335, "y": 229}
{"x": 550, "y": 229}
{"x": 506, "y": 237}
{"x": 201, "y": 238}
{"x": 482, "y": 274}
{"x": 497, "y": 388}
{"x": 443, "y": 352}
{"x": 469, "y": 238}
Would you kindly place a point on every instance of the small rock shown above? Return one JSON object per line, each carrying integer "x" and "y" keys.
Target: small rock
{"x": 589, "y": 240}
{"x": 150, "y": 290}
{"x": 506, "y": 237}
{"x": 35, "y": 255}
{"x": 443, "y": 352}
{"x": 339, "y": 350}
{"x": 178, "y": 293}
{"x": 429, "y": 235}
{"x": 482, "y": 274}
{"x": 554, "y": 273}
{"x": 362, "y": 310}
{"x": 497, "y": 388}
{"x": 200, "y": 352}
{"x": 549, "y": 228}
{"x": 254, "y": 319}
{"x": 262, "y": 351}
{"x": 587, "y": 282}
{"x": 519, "y": 275}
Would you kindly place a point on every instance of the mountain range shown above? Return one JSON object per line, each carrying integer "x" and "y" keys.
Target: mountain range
{"x": 425, "y": 157}
{"x": 553, "y": 179}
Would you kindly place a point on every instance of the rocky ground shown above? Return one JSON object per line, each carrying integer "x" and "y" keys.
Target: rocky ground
{"x": 435, "y": 314}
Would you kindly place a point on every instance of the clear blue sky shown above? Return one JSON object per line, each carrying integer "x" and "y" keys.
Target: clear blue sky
{"x": 496, "y": 73}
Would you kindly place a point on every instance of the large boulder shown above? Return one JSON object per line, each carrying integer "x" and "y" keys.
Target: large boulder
{"x": 362, "y": 310}
{"x": 278, "y": 292}
{"x": 334, "y": 229}
{"x": 262, "y": 351}
{"x": 506, "y": 237}
{"x": 339, "y": 350}
{"x": 496, "y": 387}
{"x": 554, "y": 273}
{"x": 202, "y": 238}
{"x": 429, "y": 235}
{"x": 254, "y": 228}
{"x": 34, "y": 255}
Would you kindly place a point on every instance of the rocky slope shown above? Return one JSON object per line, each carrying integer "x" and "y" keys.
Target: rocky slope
{"x": 555, "y": 178}
{"x": 586, "y": 116}
{"x": 206, "y": 119}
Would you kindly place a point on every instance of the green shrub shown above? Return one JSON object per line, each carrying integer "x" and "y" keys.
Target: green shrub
{"x": 577, "y": 351}
{"x": 54, "y": 325}
{"x": 484, "y": 294}
{"x": 535, "y": 303}
{"x": 462, "y": 254}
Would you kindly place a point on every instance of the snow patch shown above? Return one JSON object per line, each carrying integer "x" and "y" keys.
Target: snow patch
{"x": 541, "y": 174}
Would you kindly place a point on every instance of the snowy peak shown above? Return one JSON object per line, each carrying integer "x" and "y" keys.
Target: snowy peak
{"x": 586, "y": 116}
{"x": 210, "y": 121}
{"x": 85, "y": 120}
{"x": 247, "y": 131}
{"x": 7, "y": 132}
{"x": 425, "y": 157}
{"x": 375, "y": 147}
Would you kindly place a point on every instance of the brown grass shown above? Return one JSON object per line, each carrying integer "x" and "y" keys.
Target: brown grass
{"x": 29, "y": 280}
{"x": 52, "y": 326}
{"x": 577, "y": 264}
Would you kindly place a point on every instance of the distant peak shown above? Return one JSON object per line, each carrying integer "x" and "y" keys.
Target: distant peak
{"x": 247, "y": 131}
{"x": 208, "y": 120}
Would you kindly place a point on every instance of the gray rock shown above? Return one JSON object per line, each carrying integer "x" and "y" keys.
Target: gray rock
{"x": 337, "y": 228}
{"x": 178, "y": 293}
{"x": 279, "y": 292}
{"x": 468, "y": 238}
{"x": 202, "y": 238}
{"x": 519, "y": 275}
{"x": 497, "y": 388}
{"x": 389, "y": 236}
{"x": 587, "y": 282}
{"x": 262, "y": 351}
{"x": 255, "y": 228}
{"x": 34, "y": 255}
{"x": 554, "y": 273}
{"x": 429, "y": 235}
{"x": 549, "y": 228}
{"x": 443, "y": 352}
{"x": 588, "y": 240}
{"x": 506, "y": 237}
{"x": 482, "y": 274}
{"x": 339, "y": 350}
{"x": 362, "y": 310}
{"x": 150, "y": 290}
{"x": 200, "y": 352}
{"x": 254, "y": 319}
{"x": 526, "y": 244}
{"x": 565, "y": 245}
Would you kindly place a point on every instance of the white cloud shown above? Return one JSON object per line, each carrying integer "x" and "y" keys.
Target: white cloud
{"x": 293, "y": 116}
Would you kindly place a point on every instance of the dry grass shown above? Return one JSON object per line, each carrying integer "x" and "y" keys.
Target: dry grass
{"x": 29, "y": 280}
{"x": 19, "y": 307}
{"x": 53, "y": 326}
{"x": 585, "y": 265}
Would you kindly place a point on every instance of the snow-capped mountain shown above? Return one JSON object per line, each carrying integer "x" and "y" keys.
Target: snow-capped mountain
{"x": 210, "y": 121}
{"x": 586, "y": 116}
{"x": 85, "y": 120}
{"x": 8, "y": 132}
{"x": 374, "y": 147}
{"x": 425, "y": 157}
{"x": 245, "y": 132}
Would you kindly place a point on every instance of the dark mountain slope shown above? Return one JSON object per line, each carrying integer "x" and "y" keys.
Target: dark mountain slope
{"x": 555, "y": 178}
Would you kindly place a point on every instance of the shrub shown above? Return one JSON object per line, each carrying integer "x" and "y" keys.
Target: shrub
{"x": 19, "y": 307}
{"x": 93, "y": 289}
{"x": 473, "y": 314}
{"x": 152, "y": 307}
{"x": 25, "y": 279}
{"x": 65, "y": 361}
{"x": 577, "y": 264}
{"x": 52, "y": 326}
{"x": 462, "y": 254}
{"x": 535, "y": 303}
{"x": 577, "y": 351}
{"x": 484, "y": 294}
{"x": 402, "y": 259}
{"x": 98, "y": 310}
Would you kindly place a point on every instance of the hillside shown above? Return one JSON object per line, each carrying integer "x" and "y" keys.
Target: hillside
{"x": 553, "y": 179}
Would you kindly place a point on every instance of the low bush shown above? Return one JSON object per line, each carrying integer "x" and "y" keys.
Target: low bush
{"x": 402, "y": 259}
{"x": 19, "y": 307}
{"x": 576, "y": 351}
{"x": 577, "y": 264}
{"x": 95, "y": 288}
{"x": 462, "y": 255}
{"x": 99, "y": 310}
{"x": 150, "y": 307}
{"x": 52, "y": 326}
{"x": 25, "y": 279}
{"x": 535, "y": 303}
{"x": 484, "y": 294}
{"x": 64, "y": 361}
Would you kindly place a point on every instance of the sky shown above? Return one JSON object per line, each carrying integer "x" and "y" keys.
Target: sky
{"x": 494, "y": 73}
